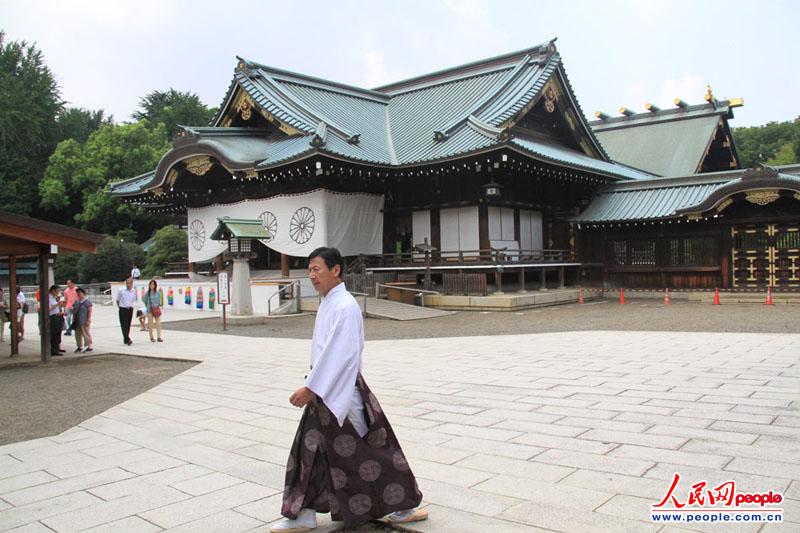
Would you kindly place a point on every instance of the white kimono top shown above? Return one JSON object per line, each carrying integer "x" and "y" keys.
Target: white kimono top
{"x": 336, "y": 351}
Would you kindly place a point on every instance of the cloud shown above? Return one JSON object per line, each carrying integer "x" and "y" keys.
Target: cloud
{"x": 376, "y": 72}
{"x": 689, "y": 87}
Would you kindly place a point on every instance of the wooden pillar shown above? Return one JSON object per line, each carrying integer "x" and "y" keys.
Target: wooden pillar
{"x": 561, "y": 278}
{"x": 218, "y": 263}
{"x": 521, "y": 280}
{"x": 190, "y": 267}
{"x": 44, "y": 308}
{"x": 483, "y": 226}
{"x": 543, "y": 282}
{"x": 725, "y": 247}
{"x": 285, "y": 266}
{"x": 498, "y": 281}
{"x": 12, "y": 300}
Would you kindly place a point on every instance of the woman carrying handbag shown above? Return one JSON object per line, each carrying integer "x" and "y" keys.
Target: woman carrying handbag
{"x": 152, "y": 302}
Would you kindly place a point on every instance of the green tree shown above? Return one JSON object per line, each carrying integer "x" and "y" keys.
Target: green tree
{"x": 111, "y": 262}
{"x": 29, "y": 104}
{"x": 77, "y": 123}
{"x": 785, "y": 155}
{"x": 74, "y": 186}
{"x": 170, "y": 246}
{"x": 66, "y": 267}
{"x": 762, "y": 143}
{"x": 172, "y": 108}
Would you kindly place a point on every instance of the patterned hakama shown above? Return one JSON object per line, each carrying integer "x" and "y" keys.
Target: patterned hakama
{"x": 333, "y": 470}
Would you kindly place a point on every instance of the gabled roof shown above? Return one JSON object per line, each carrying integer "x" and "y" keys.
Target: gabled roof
{"x": 444, "y": 115}
{"x": 665, "y": 142}
{"x": 239, "y": 228}
{"x": 663, "y": 198}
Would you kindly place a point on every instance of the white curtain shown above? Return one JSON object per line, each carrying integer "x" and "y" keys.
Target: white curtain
{"x": 299, "y": 223}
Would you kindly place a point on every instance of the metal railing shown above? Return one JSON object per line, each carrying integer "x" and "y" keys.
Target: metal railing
{"x": 293, "y": 291}
{"x": 418, "y": 292}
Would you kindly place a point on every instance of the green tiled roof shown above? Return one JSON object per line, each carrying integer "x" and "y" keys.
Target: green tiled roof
{"x": 436, "y": 117}
{"x": 669, "y": 142}
{"x": 240, "y": 229}
{"x": 662, "y": 198}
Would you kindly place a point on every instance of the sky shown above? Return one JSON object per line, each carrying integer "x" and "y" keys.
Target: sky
{"x": 107, "y": 54}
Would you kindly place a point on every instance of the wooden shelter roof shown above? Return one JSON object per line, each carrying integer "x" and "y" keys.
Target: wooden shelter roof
{"x": 24, "y": 236}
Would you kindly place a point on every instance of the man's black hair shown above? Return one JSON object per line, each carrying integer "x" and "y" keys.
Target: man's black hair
{"x": 80, "y": 290}
{"x": 331, "y": 256}
{"x": 53, "y": 287}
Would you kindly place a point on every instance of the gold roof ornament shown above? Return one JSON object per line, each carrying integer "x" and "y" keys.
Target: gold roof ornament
{"x": 199, "y": 165}
{"x": 709, "y": 97}
{"x": 246, "y": 108}
{"x": 762, "y": 197}
{"x": 550, "y": 99}
{"x": 724, "y": 204}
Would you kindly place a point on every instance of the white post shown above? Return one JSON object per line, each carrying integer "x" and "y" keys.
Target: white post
{"x": 241, "y": 298}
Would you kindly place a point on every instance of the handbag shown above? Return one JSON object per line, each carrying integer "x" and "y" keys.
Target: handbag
{"x": 156, "y": 312}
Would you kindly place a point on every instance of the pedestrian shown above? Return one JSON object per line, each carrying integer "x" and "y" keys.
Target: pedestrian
{"x": 56, "y": 313}
{"x": 141, "y": 315}
{"x": 126, "y": 299}
{"x": 135, "y": 273}
{"x": 152, "y": 301}
{"x": 3, "y": 315}
{"x": 70, "y": 297}
{"x": 345, "y": 459}
{"x": 22, "y": 308}
{"x": 82, "y": 322}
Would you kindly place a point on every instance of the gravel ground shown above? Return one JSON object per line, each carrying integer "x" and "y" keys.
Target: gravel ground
{"x": 636, "y": 315}
{"x": 39, "y": 401}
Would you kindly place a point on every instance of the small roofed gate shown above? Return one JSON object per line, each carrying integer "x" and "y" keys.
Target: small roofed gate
{"x": 766, "y": 255}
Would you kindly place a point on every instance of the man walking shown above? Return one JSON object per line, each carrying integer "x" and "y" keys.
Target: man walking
{"x": 126, "y": 299}
{"x": 345, "y": 459}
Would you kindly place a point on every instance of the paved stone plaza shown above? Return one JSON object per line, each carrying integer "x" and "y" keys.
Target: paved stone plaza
{"x": 556, "y": 431}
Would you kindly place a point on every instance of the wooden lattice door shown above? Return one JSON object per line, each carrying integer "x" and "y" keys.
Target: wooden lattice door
{"x": 786, "y": 256}
{"x": 766, "y": 255}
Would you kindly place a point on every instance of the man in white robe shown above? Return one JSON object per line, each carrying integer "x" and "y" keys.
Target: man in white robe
{"x": 345, "y": 459}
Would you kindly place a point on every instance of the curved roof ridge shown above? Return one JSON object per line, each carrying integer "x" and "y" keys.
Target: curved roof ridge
{"x": 500, "y": 61}
{"x": 304, "y": 78}
{"x": 314, "y": 113}
{"x": 490, "y": 95}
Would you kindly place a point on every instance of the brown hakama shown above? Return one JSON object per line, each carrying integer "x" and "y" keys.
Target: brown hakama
{"x": 333, "y": 470}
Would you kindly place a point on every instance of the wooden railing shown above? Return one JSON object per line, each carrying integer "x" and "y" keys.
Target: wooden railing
{"x": 488, "y": 257}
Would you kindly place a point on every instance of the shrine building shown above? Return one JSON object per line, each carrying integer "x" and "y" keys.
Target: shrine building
{"x": 475, "y": 176}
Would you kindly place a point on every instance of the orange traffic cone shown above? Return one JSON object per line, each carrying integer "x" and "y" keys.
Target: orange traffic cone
{"x": 580, "y": 295}
{"x": 716, "y": 296}
{"x": 666, "y": 297}
{"x": 769, "y": 297}
{"x": 622, "y": 297}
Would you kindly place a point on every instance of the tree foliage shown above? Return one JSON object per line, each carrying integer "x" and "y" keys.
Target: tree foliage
{"x": 774, "y": 143}
{"x": 74, "y": 185}
{"x": 29, "y": 104}
{"x": 66, "y": 267}
{"x": 77, "y": 123}
{"x": 172, "y": 108}
{"x": 112, "y": 261}
{"x": 170, "y": 246}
